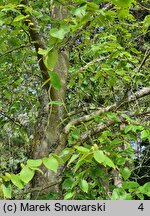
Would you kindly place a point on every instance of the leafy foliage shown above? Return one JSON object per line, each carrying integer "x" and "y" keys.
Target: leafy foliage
{"x": 107, "y": 109}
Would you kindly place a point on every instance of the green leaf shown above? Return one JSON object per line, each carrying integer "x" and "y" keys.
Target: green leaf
{"x": 8, "y": 7}
{"x": 34, "y": 163}
{"x": 145, "y": 134}
{"x": 43, "y": 52}
{"x": 68, "y": 195}
{"x": 128, "y": 128}
{"x": 92, "y": 6}
{"x": 78, "y": 164}
{"x": 26, "y": 174}
{"x": 97, "y": 1}
{"x": 7, "y": 189}
{"x": 51, "y": 163}
{"x": 20, "y": 17}
{"x": 122, "y": 3}
{"x": 56, "y": 103}
{"x": 17, "y": 181}
{"x": 80, "y": 12}
{"x": 120, "y": 161}
{"x": 146, "y": 22}
{"x": 115, "y": 142}
{"x": 99, "y": 156}
{"x": 84, "y": 185}
{"x": 82, "y": 149}
{"x": 55, "y": 80}
{"x": 130, "y": 185}
{"x": 75, "y": 133}
{"x": 109, "y": 162}
{"x": 1, "y": 22}
{"x": 50, "y": 59}
{"x": 7, "y": 177}
{"x": 66, "y": 154}
{"x": 123, "y": 13}
{"x": 68, "y": 184}
{"x": 113, "y": 116}
{"x": 73, "y": 158}
{"x": 59, "y": 33}
{"x": 58, "y": 158}
{"x": 145, "y": 189}
{"x": 125, "y": 172}
{"x": 140, "y": 196}
{"x": 120, "y": 194}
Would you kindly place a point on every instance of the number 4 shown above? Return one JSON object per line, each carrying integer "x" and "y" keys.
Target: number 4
{"x": 141, "y": 207}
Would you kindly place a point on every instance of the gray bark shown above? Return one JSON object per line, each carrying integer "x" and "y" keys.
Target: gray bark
{"x": 48, "y": 136}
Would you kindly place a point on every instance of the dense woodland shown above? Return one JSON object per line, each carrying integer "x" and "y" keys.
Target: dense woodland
{"x": 75, "y": 99}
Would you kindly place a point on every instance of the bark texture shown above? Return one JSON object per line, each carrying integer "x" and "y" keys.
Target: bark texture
{"x": 49, "y": 136}
{"x": 49, "y": 132}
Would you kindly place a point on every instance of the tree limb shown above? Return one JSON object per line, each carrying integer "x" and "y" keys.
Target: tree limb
{"x": 83, "y": 109}
{"x": 40, "y": 189}
{"x": 145, "y": 91}
{"x": 99, "y": 128}
{"x": 38, "y": 42}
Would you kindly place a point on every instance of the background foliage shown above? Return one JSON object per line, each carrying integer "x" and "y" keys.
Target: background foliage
{"x": 107, "y": 150}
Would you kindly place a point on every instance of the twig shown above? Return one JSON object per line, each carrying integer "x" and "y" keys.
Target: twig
{"x": 108, "y": 6}
{"x": 11, "y": 119}
{"x": 146, "y": 56}
{"x": 143, "y": 6}
{"x": 15, "y": 49}
{"x": 90, "y": 64}
{"x": 41, "y": 188}
{"x": 83, "y": 109}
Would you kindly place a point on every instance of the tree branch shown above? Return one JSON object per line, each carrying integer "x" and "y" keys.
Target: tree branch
{"x": 38, "y": 42}
{"x": 147, "y": 54}
{"x": 40, "y": 189}
{"x": 99, "y": 128}
{"x": 143, "y": 7}
{"x": 83, "y": 109}
{"x": 91, "y": 63}
{"x": 16, "y": 122}
{"x": 15, "y": 49}
{"x": 145, "y": 91}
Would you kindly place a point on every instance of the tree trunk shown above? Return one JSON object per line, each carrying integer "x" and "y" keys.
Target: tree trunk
{"x": 49, "y": 136}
